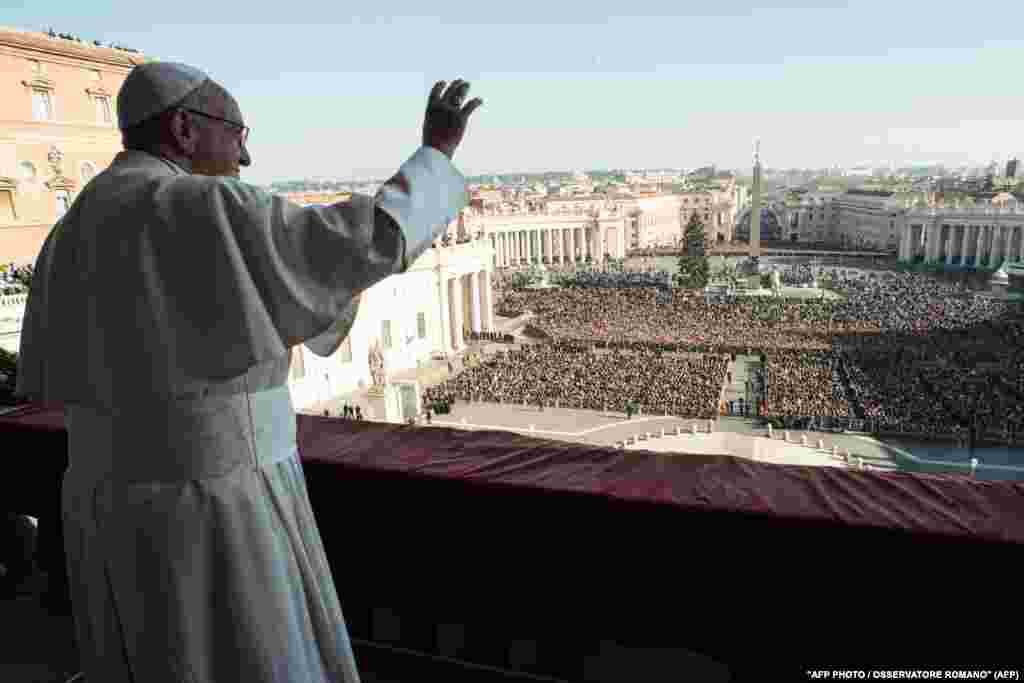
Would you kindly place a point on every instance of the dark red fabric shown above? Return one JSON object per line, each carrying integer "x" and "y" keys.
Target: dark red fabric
{"x": 569, "y": 546}
{"x": 939, "y": 504}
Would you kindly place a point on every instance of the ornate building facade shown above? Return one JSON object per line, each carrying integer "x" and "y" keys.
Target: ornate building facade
{"x": 987, "y": 235}
{"x": 58, "y": 128}
{"x": 556, "y": 229}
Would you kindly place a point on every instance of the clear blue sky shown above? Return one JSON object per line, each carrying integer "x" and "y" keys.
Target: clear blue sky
{"x": 337, "y": 89}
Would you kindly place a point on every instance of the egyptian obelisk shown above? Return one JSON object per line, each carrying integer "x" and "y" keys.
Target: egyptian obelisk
{"x": 755, "y": 206}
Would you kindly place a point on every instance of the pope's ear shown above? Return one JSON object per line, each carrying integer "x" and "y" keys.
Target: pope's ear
{"x": 182, "y": 129}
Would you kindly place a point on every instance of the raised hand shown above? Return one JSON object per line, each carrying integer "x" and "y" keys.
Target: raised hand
{"x": 446, "y": 117}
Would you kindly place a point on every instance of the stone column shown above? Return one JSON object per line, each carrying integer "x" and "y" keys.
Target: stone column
{"x": 456, "y": 312}
{"x": 1001, "y": 246}
{"x": 474, "y": 288}
{"x": 536, "y": 245}
{"x": 572, "y": 245}
{"x": 548, "y": 250}
{"x": 932, "y": 241}
{"x": 963, "y": 245}
{"x": 977, "y": 244}
{"x": 488, "y": 301}
{"x": 446, "y": 317}
{"x": 936, "y": 242}
{"x": 906, "y": 242}
{"x": 1020, "y": 244}
{"x": 950, "y": 245}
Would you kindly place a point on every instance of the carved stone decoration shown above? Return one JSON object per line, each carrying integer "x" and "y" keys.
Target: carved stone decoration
{"x": 10, "y": 187}
{"x": 377, "y": 370}
{"x": 56, "y": 159}
{"x": 59, "y": 181}
{"x": 40, "y": 82}
{"x": 98, "y": 91}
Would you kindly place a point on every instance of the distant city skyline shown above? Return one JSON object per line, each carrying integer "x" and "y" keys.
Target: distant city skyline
{"x": 332, "y": 93}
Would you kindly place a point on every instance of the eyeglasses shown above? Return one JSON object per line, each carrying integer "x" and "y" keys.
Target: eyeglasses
{"x": 244, "y": 130}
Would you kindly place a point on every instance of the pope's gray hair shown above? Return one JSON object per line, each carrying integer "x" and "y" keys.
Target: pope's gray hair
{"x": 147, "y": 135}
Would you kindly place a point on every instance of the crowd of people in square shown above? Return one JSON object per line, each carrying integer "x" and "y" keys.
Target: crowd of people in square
{"x": 582, "y": 376}
{"x": 804, "y": 384}
{"x": 904, "y": 351}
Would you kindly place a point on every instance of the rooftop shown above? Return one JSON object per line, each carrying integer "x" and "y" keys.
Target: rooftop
{"x": 78, "y": 49}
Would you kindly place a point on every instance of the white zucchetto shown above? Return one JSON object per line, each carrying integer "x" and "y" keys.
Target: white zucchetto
{"x": 155, "y": 87}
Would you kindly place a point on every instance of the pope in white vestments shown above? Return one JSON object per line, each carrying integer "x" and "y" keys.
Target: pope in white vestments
{"x": 161, "y": 314}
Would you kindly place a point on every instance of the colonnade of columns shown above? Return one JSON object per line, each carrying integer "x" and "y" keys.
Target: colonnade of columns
{"x": 467, "y": 301}
{"x": 962, "y": 244}
{"x": 557, "y": 244}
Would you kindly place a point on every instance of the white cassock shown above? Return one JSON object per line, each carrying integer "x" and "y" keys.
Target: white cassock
{"x": 161, "y": 313}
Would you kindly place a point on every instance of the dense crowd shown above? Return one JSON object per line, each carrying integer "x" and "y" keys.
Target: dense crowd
{"x": 904, "y": 351}
{"x": 577, "y": 376}
{"x": 804, "y": 384}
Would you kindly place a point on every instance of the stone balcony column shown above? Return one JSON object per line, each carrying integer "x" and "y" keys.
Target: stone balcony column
{"x": 455, "y": 285}
{"x": 906, "y": 242}
{"x": 446, "y": 314}
{"x": 932, "y": 248}
{"x": 487, "y": 301}
{"x": 474, "y": 301}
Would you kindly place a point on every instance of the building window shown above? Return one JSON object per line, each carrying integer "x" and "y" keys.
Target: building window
{"x": 63, "y": 202}
{"x": 103, "y": 109}
{"x": 88, "y": 171}
{"x": 386, "y": 333}
{"x": 42, "y": 107}
{"x": 345, "y": 353}
{"x": 421, "y": 325}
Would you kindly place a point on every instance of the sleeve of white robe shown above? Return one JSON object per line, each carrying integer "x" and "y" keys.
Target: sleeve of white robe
{"x": 409, "y": 207}
{"x": 310, "y": 264}
{"x": 167, "y": 279}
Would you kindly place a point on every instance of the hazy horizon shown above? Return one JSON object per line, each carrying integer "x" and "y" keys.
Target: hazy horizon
{"x": 330, "y": 93}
